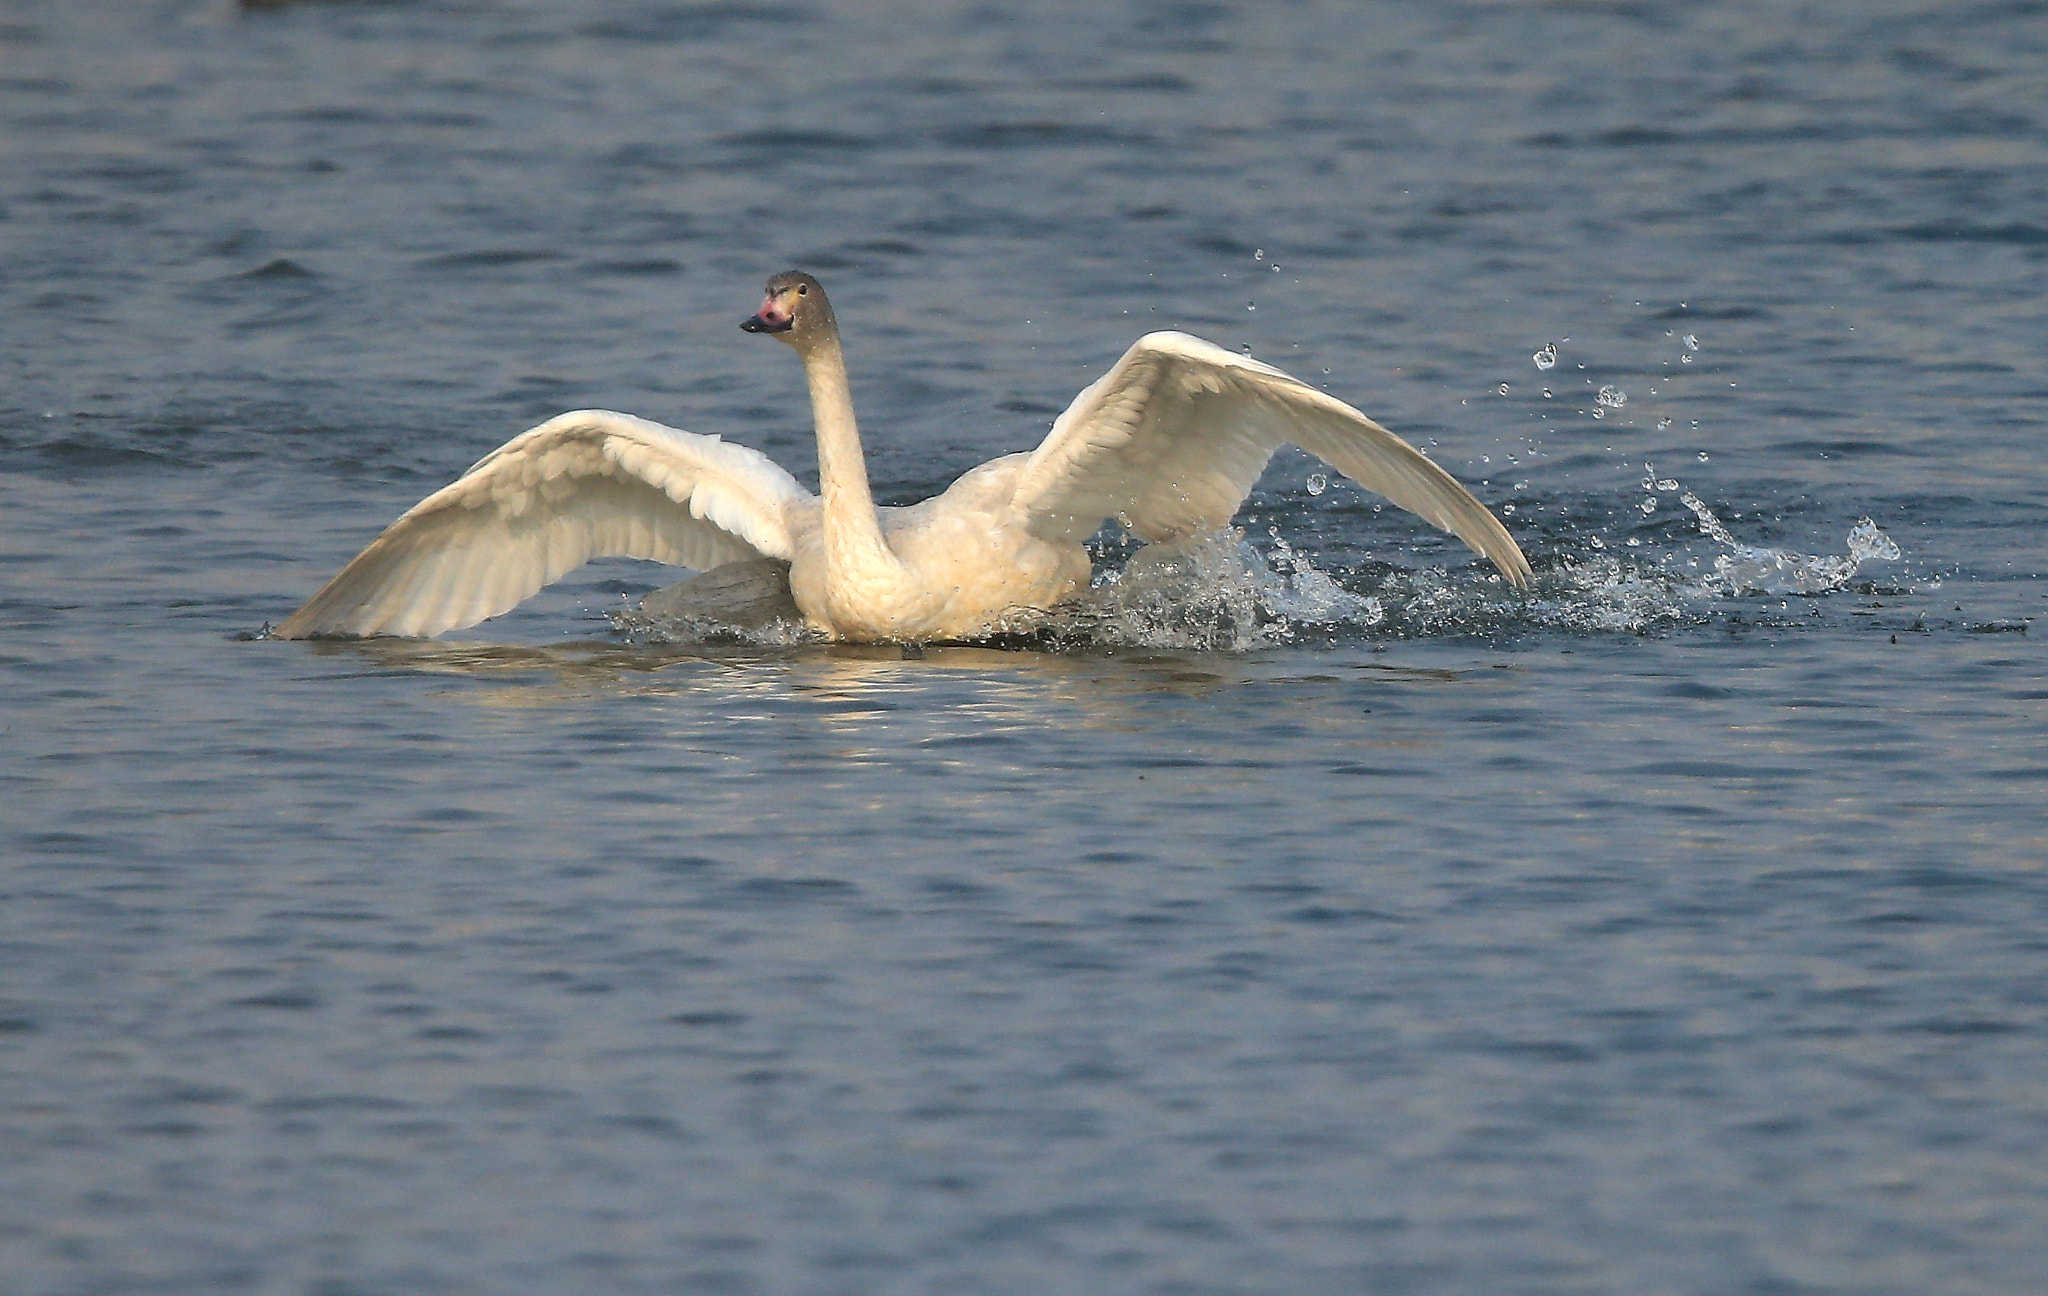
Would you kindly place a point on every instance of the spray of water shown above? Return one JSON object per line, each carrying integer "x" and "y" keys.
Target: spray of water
{"x": 1221, "y": 593}
{"x": 1750, "y": 569}
{"x": 1215, "y": 593}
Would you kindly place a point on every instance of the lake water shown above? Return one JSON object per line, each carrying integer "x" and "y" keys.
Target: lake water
{"x": 1335, "y": 921}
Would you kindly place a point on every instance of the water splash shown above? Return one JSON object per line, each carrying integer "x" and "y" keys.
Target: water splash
{"x": 1216, "y": 593}
{"x": 1599, "y": 593}
{"x": 1750, "y": 569}
{"x": 1593, "y": 589}
{"x": 1222, "y": 593}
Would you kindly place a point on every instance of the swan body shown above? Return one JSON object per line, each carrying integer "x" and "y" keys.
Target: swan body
{"x": 1168, "y": 443}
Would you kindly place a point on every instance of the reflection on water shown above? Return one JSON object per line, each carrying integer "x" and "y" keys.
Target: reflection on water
{"x": 954, "y": 686}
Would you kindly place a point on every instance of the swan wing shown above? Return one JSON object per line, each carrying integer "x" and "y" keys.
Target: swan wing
{"x": 584, "y": 485}
{"x": 1171, "y": 440}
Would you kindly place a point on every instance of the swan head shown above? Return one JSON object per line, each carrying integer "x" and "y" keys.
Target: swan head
{"x": 793, "y": 309}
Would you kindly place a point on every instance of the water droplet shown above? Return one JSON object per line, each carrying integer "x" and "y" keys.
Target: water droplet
{"x": 1703, "y": 456}
{"x": 1867, "y": 542}
{"x": 1599, "y": 413}
{"x": 1612, "y": 397}
{"x": 1663, "y": 424}
{"x": 1598, "y": 543}
{"x": 1251, "y": 306}
{"x": 1259, "y": 254}
{"x": 1508, "y": 509}
{"x": 1549, "y": 395}
{"x": 1547, "y": 357}
{"x": 1503, "y": 389}
{"x": 1691, "y": 343}
{"x": 1666, "y": 484}
{"x": 1633, "y": 542}
{"x": 1246, "y": 348}
{"x": 1318, "y": 483}
{"x": 1685, "y": 359}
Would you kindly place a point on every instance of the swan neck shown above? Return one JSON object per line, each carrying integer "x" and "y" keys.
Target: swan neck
{"x": 851, "y": 526}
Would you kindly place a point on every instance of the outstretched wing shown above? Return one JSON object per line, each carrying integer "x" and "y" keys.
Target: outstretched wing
{"x": 590, "y": 484}
{"x": 1170, "y": 441}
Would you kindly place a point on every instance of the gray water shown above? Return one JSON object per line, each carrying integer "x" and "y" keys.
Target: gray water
{"x": 1333, "y": 920}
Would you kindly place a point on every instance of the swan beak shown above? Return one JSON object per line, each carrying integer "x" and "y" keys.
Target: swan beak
{"x": 773, "y": 317}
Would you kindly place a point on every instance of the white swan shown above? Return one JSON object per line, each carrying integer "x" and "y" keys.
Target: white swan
{"x": 1168, "y": 443}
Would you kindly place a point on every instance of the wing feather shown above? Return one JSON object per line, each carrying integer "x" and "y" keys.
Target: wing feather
{"x": 1171, "y": 440}
{"x": 590, "y": 484}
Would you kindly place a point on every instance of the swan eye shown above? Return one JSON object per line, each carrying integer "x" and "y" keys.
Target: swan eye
{"x": 803, "y": 290}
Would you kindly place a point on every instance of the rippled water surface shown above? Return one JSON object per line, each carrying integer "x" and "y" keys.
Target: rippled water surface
{"x": 1320, "y": 917}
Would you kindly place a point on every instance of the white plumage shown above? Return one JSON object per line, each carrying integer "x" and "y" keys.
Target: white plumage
{"x": 1167, "y": 443}
{"x": 591, "y": 484}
